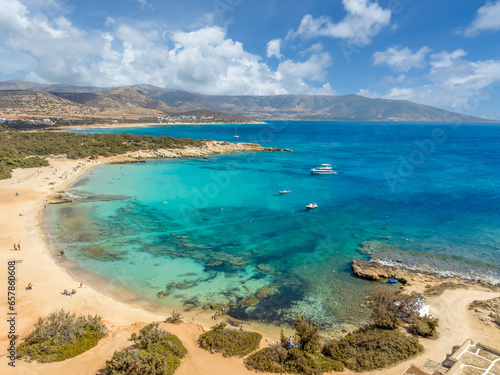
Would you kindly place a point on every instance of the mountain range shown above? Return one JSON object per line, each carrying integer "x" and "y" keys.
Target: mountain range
{"x": 150, "y": 101}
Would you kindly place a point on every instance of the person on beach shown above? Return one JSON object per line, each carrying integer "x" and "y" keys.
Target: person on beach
{"x": 29, "y": 287}
{"x": 65, "y": 292}
{"x": 15, "y": 247}
{"x": 19, "y": 246}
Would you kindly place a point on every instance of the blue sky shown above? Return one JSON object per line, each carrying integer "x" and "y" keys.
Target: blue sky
{"x": 445, "y": 54}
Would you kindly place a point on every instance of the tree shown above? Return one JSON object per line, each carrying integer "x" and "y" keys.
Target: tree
{"x": 308, "y": 334}
{"x": 277, "y": 353}
{"x": 391, "y": 307}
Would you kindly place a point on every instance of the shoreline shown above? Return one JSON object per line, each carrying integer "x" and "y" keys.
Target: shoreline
{"x": 143, "y": 125}
{"x": 49, "y": 279}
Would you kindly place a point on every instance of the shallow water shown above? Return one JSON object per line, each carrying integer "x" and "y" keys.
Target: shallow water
{"x": 203, "y": 231}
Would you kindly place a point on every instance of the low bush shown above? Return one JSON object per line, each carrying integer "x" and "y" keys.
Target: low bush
{"x": 230, "y": 342}
{"x": 296, "y": 361}
{"x": 424, "y": 326}
{"x": 176, "y": 317}
{"x": 61, "y": 336}
{"x": 371, "y": 348}
{"x": 156, "y": 352}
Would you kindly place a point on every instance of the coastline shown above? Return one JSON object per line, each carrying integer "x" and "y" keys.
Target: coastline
{"x": 142, "y": 125}
{"x": 49, "y": 279}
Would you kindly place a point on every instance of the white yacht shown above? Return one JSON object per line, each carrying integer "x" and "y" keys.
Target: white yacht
{"x": 323, "y": 169}
{"x": 285, "y": 191}
{"x": 311, "y": 206}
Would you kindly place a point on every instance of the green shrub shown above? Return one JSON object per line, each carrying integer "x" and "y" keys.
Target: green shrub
{"x": 371, "y": 348}
{"x": 140, "y": 361}
{"x": 61, "y": 336}
{"x": 156, "y": 352}
{"x": 230, "y": 342}
{"x": 20, "y": 149}
{"x": 307, "y": 334}
{"x": 297, "y": 361}
{"x": 424, "y": 326}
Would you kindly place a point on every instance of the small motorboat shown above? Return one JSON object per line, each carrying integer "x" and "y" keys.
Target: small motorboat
{"x": 392, "y": 281}
{"x": 311, "y": 206}
{"x": 285, "y": 191}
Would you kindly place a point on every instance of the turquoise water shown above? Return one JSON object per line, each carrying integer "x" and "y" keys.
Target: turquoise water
{"x": 194, "y": 232}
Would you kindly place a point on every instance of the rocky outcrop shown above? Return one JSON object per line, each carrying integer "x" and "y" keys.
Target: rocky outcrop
{"x": 209, "y": 148}
{"x": 370, "y": 270}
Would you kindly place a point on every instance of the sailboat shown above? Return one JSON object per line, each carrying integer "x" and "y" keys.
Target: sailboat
{"x": 236, "y": 133}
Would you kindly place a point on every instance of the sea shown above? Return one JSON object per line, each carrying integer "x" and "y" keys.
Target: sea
{"x": 201, "y": 233}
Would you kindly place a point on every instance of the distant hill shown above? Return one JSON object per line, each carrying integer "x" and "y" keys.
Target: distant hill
{"x": 19, "y": 104}
{"x": 308, "y": 107}
{"x": 126, "y": 99}
{"x": 148, "y": 100}
{"x": 121, "y": 104}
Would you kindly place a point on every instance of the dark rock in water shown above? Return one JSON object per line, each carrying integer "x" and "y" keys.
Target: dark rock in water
{"x": 249, "y": 301}
{"x": 169, "y": 285}
{"x": 265, "y": 292}
{"x": 181, "y": 286}
{"x": 160, "y": 294}
{"x": 99, "y": 253}
{"x": 229, "y": 275}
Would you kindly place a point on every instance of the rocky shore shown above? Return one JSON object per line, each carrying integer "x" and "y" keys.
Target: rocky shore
{"x": 434, "y": 282}
{"x": 208, "y": 148}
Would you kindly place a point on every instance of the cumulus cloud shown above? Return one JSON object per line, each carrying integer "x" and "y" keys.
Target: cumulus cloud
{"x": 401, "y": 59}
{"x": 274, "y": 48}
{"x": 452, "y": 82}
{"x": 487, "y": 19}
{"x": 203, "y": 60}
{"x": 364, "y": 20}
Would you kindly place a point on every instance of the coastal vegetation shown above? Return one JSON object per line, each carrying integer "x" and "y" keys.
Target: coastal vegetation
{"x": 23, "y": 149}
{"x": 371, "y": 348}
{"x": 60, "y": 336}
{"x": 155, "y": 351}
{"x": 424, "y": 326}
{"x": 176, "y": 317}
{"x": 377, "y": 345}
{"x": 229, "y": 342}
{"x": 298, "y": 354}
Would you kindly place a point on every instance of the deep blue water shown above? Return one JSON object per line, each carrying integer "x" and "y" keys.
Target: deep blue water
{"x": 215, "y": 230}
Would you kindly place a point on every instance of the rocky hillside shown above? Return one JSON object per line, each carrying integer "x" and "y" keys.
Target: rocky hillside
{"x": 139, "y": 99}
{"x": 41, "y": 104}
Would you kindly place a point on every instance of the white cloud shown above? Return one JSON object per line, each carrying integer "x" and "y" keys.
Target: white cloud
{"x": 401, "y": 59}
{"x": 203, "y": 60}
{"x": 452, "y": 82}
{"x": 274, "y": 48}
{"x": 109, "y": 21}
{"x": 487, "y": 19}
{"x": 368, "y": 93}
{"x": 363, "y": 21}
{"x": 446, "y": 59}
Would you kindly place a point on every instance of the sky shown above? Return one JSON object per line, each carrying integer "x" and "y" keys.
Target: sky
{"x": 442, "y": 53}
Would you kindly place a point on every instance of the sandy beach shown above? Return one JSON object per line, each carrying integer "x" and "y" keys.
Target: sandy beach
{"x": 20, "y": 224}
